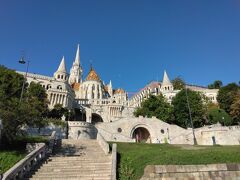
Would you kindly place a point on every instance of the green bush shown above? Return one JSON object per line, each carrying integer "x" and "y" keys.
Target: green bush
{"x": 216, "y": 115}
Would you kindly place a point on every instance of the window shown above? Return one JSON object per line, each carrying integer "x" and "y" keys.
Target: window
{"x": 119, "y": 130}
{"x": 59, "y": 87}
{"x": 48, "y": 86}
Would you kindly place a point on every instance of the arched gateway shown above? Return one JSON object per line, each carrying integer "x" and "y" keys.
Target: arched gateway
{"x": 141, "y": 134}
{"x": 96, "y": 118}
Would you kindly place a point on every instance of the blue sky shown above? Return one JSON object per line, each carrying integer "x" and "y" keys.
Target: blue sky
{"x": 130, "y": 42}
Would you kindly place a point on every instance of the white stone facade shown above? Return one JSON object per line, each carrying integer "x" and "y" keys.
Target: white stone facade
{"x": 115, "y": 112}
{"x": 166, "y": 89}
{"x": 161, "y": 132}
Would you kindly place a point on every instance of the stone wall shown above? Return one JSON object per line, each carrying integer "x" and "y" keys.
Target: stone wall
{"x": 160, "y": 132}
{"x": 81, "y": 130}
{"x": 187, "y": 172}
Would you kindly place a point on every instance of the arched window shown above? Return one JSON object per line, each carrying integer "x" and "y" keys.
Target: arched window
{"x": 59, "y": 87}
{"x": 58, "y": 76}
{"x": 48, "y": 86}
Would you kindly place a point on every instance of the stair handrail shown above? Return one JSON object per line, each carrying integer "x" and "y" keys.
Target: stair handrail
{"x": 51, "y": 141}
{"x": 25, "y": 165}
{"x": 103, "y": 143}
{"x": 114, "y": 162}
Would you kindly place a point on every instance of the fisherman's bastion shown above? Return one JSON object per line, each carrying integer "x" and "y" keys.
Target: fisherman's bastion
{"x": 102, "y": 109}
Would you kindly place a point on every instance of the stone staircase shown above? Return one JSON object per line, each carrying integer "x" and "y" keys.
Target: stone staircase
{"x": 75, "y": 160}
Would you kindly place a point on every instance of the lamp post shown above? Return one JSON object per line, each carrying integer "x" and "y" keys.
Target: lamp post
{"x": 22, "y": 61}
{"x": 190, "y": 116}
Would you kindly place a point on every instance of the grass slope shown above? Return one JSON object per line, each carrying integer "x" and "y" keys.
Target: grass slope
{"x": 9, "y": 158}
{"x": 134, "y": 157}
{"x": 11, "y": 154}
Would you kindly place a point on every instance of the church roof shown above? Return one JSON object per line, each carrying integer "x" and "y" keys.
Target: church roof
{"x": 92, "y": 75}
{"x": 118, "y": 91}
{"x": 76, "y": 86}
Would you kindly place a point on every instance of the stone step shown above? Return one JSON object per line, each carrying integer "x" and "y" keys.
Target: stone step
{"x": 76, "y": 166}
{"x": 81, "y": 161}
{"x": 70, "y": 165}
{"x": 73, "y": 172}
{"x": 70, "y": 178}
{"x": 63, "y": 158}
{"x": 67, "y": 176}
{"x": 78, "y": 158}
{"x": 56, "y": 169}
{"x": 69, "y": 173}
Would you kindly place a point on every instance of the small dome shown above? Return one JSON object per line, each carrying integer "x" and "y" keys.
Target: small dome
{"x": 92, "y": 75}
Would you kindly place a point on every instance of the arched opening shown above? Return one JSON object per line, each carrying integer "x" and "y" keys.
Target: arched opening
{"x": 96, "y": 118}
{"x": 141, "y": 134}
{"x": 80, "y": 115}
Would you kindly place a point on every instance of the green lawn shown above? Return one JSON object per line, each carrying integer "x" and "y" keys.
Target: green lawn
{"x": 11, "y": 154}
{"x": 9, "y": 158}
{"x": 133, "y": 157}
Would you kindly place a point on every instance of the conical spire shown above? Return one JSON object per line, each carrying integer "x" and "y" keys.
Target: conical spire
{"x": 110, "y": 84}
{"x": 62, "y": 66}
{"x": 166, "y": 80}
{"x": 77, "y": 57}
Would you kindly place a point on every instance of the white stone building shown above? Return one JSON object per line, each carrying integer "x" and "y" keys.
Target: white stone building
{"x": 100, "y": 102}
{"x": 166, "y": 89}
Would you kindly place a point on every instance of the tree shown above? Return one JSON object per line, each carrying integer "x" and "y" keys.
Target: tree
{"x": 16, "y": 114}
{"x": 216, "y": 85}
{"x": 36, "y": 98}
{"x": 10, "y": 91}
{"x": 235, "y": 109}
{"x": 155, "y": 106}
{"x": 181, "y": 110}
{"x": 178, "y": 83}
{"x": 217, "y": 115}
{"x": 226, "y": 96}
{"x": 58, "y": 111}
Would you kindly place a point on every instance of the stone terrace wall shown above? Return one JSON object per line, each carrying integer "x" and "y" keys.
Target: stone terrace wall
{"x": 189, "y": 172}
{"x": 161, "y": 132}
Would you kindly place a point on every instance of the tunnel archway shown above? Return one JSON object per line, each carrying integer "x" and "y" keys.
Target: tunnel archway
{"x": 141, "y": 134}
{"x": 96, "y": 118}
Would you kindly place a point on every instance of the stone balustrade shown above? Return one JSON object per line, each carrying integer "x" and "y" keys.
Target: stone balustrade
{"x": 103, "y": 143}
{"x": 32, "y": 159}
{"x": 26, "y": 164}
{"x": 114, "y": 162}
{"x": 52, "y": 140}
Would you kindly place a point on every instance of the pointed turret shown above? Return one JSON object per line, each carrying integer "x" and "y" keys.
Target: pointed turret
{"x": 61, "y": 73}
{"x": 166, "y": 80}
{"x": 62, "y": 66}
{"x": 76, "y": 70}
{"x": 77, "y": 57}
{"x": 110, "y": 84}
{"x": 166, "y": 83}
{"x": 110, "y": 90}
